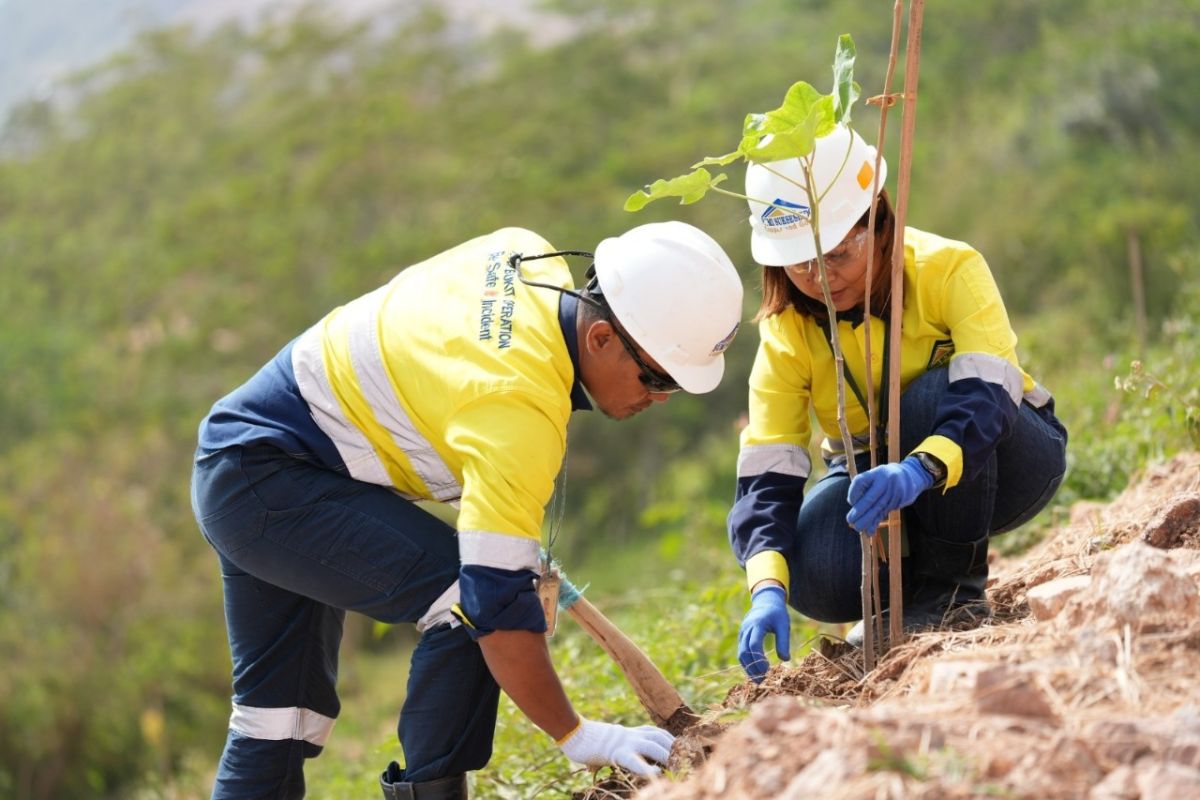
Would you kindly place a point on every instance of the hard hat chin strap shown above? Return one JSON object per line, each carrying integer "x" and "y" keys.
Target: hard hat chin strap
{"x": 593, "y": 286}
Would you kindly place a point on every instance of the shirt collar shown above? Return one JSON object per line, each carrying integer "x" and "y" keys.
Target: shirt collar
{"x": 854, "y": 316}
{"x": 568, "y": 308}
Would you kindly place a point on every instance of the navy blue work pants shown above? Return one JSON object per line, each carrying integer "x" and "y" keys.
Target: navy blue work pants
{"x": 298, "y": 546}
{"x": 1017, "y": 481}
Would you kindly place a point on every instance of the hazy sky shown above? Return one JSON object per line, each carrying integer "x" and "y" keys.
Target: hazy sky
{"x": 42, "y": 41}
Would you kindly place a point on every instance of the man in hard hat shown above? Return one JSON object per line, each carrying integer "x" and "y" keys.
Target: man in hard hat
{"x": 454, "y": 382}
{"x": 984, "y": 449}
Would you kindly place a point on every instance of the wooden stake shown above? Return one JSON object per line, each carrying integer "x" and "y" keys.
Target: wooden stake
{"x": 908, "y": 127}
{"x": 885, "y": 101}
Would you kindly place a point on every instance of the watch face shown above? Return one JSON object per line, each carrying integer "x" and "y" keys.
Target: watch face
{"x": 935, "y": 467}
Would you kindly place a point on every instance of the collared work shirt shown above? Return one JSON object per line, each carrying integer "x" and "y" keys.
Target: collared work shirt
{"x": 453, "y": 382}
{"x": 953, "y": 315}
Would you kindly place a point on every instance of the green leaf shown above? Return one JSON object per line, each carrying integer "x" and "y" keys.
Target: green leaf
{"x": 790, "y": 144}
{"x": 794, "y": 142}
{"x": 845, "y": 90}
{"x": 798, "y": 103}
{"x": 719, "y": 161}
{"x": 754, "y": 124}
{"x": 689, "y": 188}
{"x": 793, "y": 128}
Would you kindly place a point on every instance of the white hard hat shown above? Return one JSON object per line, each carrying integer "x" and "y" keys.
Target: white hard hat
{"x": 844, "y": 174}
{"x": 675, "y": 291}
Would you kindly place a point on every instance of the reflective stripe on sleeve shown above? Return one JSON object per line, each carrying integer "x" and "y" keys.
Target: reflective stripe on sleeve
{"x": 440, "y": 610}
{"x": 1038, "y": 396}
{"x": 500, "y": 550}
{"x": 785, "y": 459}
{"x": 277, "y": 724}
{"x": 992, "y": 369}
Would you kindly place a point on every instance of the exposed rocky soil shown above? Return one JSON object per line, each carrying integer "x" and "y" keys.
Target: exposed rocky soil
{"x": 1085, "y": 685}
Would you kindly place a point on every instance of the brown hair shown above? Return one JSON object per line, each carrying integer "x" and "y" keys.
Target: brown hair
{"x": 779, "y": 293}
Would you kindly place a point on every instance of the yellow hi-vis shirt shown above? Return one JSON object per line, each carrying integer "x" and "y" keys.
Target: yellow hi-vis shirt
{"x": 953, "y": 314}
{"x": 452, "y": 383}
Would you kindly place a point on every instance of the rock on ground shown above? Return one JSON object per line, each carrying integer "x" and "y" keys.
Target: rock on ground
{"x": 1084, "y": 686}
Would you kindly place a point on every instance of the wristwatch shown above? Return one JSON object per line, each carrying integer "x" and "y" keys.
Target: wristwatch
{"x": 934, "y": 466}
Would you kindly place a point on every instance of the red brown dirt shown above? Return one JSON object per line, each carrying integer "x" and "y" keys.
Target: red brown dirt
{"x": 1092, "y": 691}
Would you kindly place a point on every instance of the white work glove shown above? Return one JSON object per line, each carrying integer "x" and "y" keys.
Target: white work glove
{"x": 595, "y": 744}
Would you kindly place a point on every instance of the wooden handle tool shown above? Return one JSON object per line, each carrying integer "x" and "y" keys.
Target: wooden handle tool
{"x": 657, "y": 695}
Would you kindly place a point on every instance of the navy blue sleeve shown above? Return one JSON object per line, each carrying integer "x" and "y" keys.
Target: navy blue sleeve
{"x": 494, "y": 599}
{"x": 765, "y": 512}
{"x": 976, "y": 415}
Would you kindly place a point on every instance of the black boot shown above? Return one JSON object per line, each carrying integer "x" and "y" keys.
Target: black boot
{"x": 395, "y": 787}
{"x": 948, "y": 593}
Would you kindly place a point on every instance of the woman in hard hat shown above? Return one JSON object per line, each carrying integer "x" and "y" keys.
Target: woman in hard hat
{"x": 984, "y": 450}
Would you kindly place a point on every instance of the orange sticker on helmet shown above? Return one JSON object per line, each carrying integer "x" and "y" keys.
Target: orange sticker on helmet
{"x": 865, "y": 174}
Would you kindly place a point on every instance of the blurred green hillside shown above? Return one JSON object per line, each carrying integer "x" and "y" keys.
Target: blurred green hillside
{"x": 206, "y": 198}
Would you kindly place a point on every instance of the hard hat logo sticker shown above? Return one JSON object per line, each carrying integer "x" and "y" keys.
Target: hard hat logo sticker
{"x": 782, "y": 215}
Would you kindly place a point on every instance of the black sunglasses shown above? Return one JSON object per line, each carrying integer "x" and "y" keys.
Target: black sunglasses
{"x": 654, "y": 381}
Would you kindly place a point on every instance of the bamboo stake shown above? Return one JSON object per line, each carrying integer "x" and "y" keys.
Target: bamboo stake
{"x": 908, "y": 127}
{"x": 885, "y": 101}
{"x": 876, "y": 553}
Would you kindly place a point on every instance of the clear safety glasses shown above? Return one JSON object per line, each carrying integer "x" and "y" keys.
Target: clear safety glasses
{"x": 844, "y": 255}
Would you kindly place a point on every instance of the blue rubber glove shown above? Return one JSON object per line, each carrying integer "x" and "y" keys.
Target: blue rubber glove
{"x": 768, "y": 614}
{"x": 877, "y": 492}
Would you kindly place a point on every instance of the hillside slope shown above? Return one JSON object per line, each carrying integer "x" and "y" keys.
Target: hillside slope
{"x": 1085, "y": 685}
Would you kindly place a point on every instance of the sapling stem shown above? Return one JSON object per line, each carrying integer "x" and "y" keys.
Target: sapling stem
{"x": 869, "y": 587}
